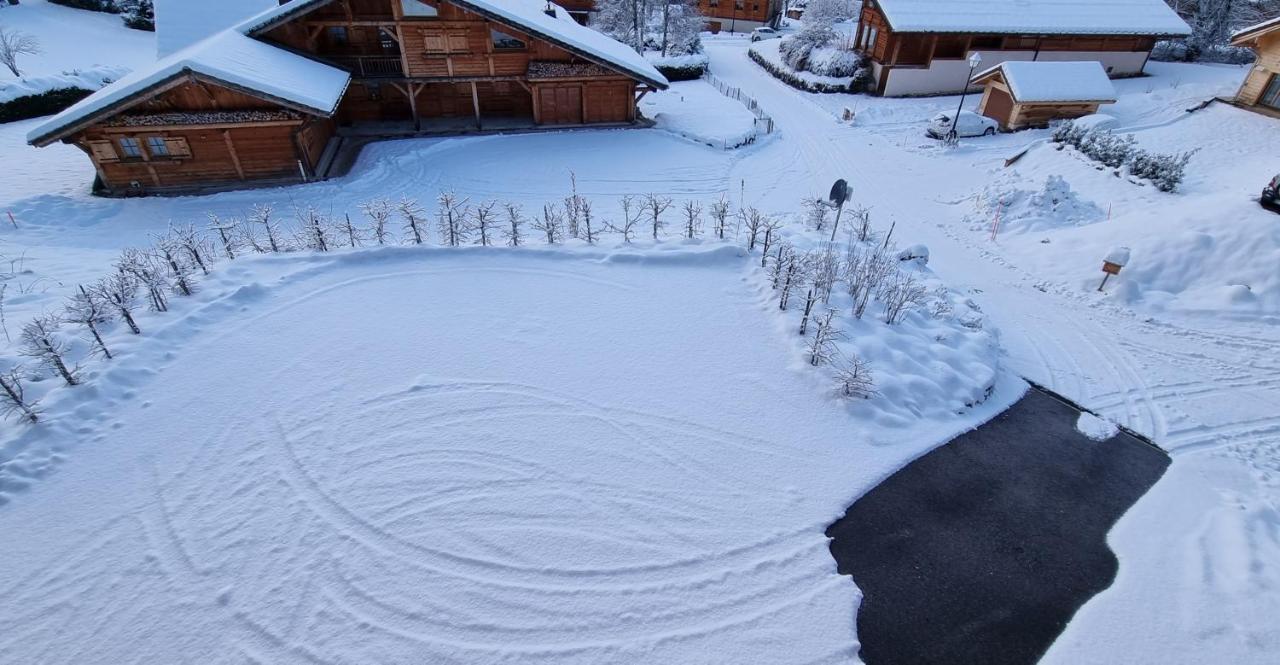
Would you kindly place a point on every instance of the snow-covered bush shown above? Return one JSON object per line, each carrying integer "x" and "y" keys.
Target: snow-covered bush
{"x": 1166, "y": 171}
{"x": 46, "y": 95}
{"x": 796, "y": 49}
{"x": 827, "y": 61}
{"x": 686, "y": 67}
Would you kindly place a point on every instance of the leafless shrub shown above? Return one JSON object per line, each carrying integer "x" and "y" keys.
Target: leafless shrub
{"x": 854, "y": 379}
{"x": 453, "y": 219}
{"x": 719, "y": 212}
{"x": 13, "y": 399}
{"x": 551, "y": 225}
{"x": 816, "y": 213}
{"x": 865, "y": 269}
{"x": 260, "y": 216}
{"x": 514, "y": 232}
{"x": 90, "y": 310}
{"x": 143, "y": 267}
{"x": 485, "y": 219}
{"x": 757, "y": 223}
{"x": 630, "y": 218}
{"x": 589, "y": 232}
{"x": 120, "y": 291}
{"x": 227, "y": 234}
{"x": 656, "y": 205}
{"x": 14, "y": 43}
{"x": 40, "y": 341}
{"x": 346, "y": 228}
{"x": 411, "y": 214}
{"x": 378, "y": 212}
{"x": 899, "y": 293}
{"x": 822, "y": 346}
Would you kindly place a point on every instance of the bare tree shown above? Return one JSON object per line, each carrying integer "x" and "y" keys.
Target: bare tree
{"x": 630, "y": 218}
{"x": 452, "y": 218}
{"x": 853, "y": 377}
{"x": 226, "y": 233}
{"x": 14, "y": 43}
{"x": 810, "y": 299}
{"x": 861, "y": 220}
{"x": 827, "y": 269}
{"x": 190, "y": 241}
{"x": 656, "y": 206}
{"x": 822, "y": 346}
{"x": 142, "y": 267}
{"x": 515, "y": 224}
{"x": 588, "y": 221}
{"x": 778, "y": 267}
{"x": 899, "y": 293}
{"x": 865, "y": 270}
{"x": 770, "y": 228}
{"x": 793, "y": 278}
{"x": 411, "y": 214}
{"x": 379, "y": 213}
{"x": 89, "y": 310}
{"x": 817, "y": 213}
{"x": 260, "y": 215}
{"x": 313, "y": 230}
{"x": 13, "y": 400}
{"x": 692, "y": 219}
{"x": 40, "y": 341}
{"x": 179, "y": 270}
{"x": 551, "y": 224}
{"x": 350, "y": 230}
{"x": 120, "y": 290}
{"x": 756, "y": 223}
{"x": 719, "y": 212}
{"x": 485, "y": 218}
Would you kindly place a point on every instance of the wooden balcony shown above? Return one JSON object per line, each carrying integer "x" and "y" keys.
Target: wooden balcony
{"x": 370, "y": 66}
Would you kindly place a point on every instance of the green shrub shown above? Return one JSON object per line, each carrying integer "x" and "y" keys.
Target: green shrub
{"x": 48, "y": 103}
{"x": 686, "y": 73}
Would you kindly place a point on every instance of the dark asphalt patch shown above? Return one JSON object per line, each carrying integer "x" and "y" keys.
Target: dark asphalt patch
{"x": 982, "y": 550}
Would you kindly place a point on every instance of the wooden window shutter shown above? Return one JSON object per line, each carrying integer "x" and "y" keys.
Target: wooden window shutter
{"x": 104, "y": 151}
{"x": 458, "y": 42}
{"x": 435, "y": 42}
{"x": 178, "y": 147}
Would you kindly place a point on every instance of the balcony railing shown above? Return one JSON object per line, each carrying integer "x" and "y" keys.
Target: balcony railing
{"x": 370, "y": 66}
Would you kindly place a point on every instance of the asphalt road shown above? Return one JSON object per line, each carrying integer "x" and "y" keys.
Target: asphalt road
{"x": 982, "y": 550}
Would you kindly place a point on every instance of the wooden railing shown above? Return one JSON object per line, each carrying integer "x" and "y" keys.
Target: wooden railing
{"x": 370, "y": 66}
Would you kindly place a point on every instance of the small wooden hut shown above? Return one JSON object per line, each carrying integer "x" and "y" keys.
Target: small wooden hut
{"x": 1261, "y": 89}
{"x": 1019, "y": 95}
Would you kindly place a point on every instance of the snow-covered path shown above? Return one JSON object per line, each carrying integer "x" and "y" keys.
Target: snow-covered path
{"x": 1210, "y": 396}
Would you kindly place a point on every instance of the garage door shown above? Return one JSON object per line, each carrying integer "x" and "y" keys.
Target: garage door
{"x": 999, "y": 107}
{"x": 560, "y": 105}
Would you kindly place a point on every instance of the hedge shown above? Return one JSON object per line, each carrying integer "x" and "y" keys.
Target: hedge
{"x": 47, "y": 103}
{"x": 790, "y": 78}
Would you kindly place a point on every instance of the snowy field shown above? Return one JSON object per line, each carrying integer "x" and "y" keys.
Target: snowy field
{"x": 517, "y": 465}
{"x": 156, "y": 528}
{"x": 698, "y": 112}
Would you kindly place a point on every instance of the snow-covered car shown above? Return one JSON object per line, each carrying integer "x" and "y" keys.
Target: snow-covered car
{"x": 763, "y": 33}
{"x": 970, "y": 124}
{"x": 1271, "y": 195}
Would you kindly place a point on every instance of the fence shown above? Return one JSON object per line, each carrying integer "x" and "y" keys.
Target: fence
{"x": 764, "y": 124}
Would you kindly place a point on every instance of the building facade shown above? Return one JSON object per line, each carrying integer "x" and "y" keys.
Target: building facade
{"x": 917, "y": 48}
{"x": 1261, "y": 89}
{"x": 264, "y": 102}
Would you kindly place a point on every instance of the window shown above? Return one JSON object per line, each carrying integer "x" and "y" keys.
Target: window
{"x": 337, "y": 35}
{"x": 373, "y": 91}
{"x": 504, "y": 42}
{"x": 1271, "y": 96}
{"x": 130, "y": 148}
{"x": 740, "y": 4}
{"x": 157, "y": 147}
{"x": 418, "y": 9}
{"x": 437, "y": 42}
{"x": 714, "y": 3}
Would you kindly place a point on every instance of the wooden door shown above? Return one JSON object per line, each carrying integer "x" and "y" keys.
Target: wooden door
{"x": 999, "y": 107}
{"x": 561, "y": 105}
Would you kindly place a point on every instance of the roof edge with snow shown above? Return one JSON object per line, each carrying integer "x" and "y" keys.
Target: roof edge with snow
{"x": 1243, "y": 36}
{"x": 1050, "y": 82}
{"x": 1147, "y": 18}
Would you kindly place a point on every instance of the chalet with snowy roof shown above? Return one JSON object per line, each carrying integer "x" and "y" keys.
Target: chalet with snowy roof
{"x": 738, "y": 15}
{"x": 1261, "y": 89}
{"x": 270, "y": 99}
{"x": 922, "y": 47}
{"x": 1021, "y": 94}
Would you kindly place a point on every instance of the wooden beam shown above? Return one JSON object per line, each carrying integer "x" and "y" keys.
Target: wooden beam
{"x": 582, "y": 92}
{"x": 534, "y": 92}
{"x": 475, "y": 103}
{"x": 180, "y": 128}
{"x": 231, "y": 149}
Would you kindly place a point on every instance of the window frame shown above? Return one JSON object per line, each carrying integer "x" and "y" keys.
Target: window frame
{"x": 157, "y": 147}
{"x": 494, "y": 32}
{"x": 130, "y": 148}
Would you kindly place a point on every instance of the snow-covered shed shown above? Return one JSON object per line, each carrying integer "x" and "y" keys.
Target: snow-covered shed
{"x": 922, "y": 47}
{"x": 1261, "y": 89}
{"x": 1022, "y": 94}
{"x": 266, "y": 100}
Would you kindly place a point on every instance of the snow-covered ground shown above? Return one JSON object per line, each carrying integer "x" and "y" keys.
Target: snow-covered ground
{"x": 153, "y": 508}
{"x": 517, "y": 465}
{"x": 75, "y": 39}
{"x": 697, "y": 111}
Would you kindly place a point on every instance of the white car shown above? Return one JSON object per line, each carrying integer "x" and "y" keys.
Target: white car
{"x": 970, "y": 124}
{"x": 761, "y": 34}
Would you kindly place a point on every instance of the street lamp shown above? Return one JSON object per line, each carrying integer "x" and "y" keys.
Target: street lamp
{"x": 975, "y": 60}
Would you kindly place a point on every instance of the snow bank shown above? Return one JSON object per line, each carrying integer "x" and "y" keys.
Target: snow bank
{"x": 92, "y": 78}
{"x": 1053, "y": 206}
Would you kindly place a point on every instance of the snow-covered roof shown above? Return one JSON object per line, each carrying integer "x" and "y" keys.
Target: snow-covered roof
{"x": 526, "y": 15}
{"x": 1043, "y": 82}
{"x": 181, "y": 23}
{"x": 1248, "y": 34}
{"x": 228, "y": 58}
{"x": 1056, "y": 17}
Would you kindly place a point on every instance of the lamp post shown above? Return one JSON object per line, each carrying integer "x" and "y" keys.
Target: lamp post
{"x": 975, "y": 60}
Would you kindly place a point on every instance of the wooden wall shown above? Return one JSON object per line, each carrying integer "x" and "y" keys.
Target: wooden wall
{"x": 728, "y": 10}
{"x": 1267, "y": 65}
{"x": 206, "y": 154}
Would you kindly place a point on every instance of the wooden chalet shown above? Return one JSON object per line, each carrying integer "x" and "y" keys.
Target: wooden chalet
{"x": 1020, "y": 94}
{"x": 922, "y": 47}
{"x": 265, "y": 101}
{"x": 1261, "y": 89}
{"x": 738, "y": 15}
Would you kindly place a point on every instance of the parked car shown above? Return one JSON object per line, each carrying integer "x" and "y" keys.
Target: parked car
{"x": 1271, "y": 195}
{"x": 970, "y": 124}
{"x": 763, "y": 33}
